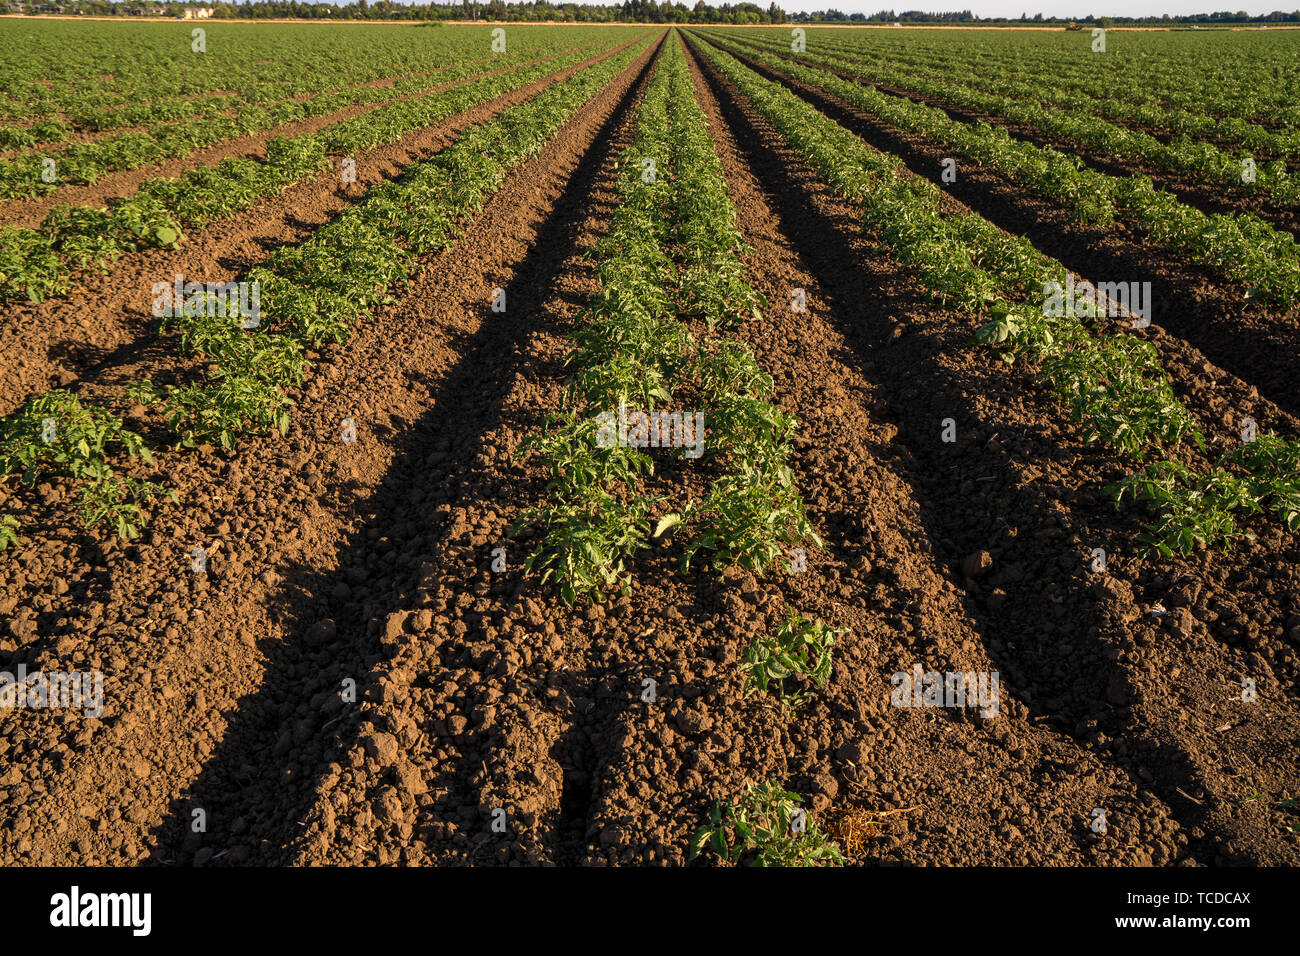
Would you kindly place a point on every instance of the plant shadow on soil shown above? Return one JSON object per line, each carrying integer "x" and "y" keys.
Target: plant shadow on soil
{"x": 1262, "y": 354}
{"x": 116, "y": 364}
{"x": 863, "y": 299}
{"x": 250, "y": 788}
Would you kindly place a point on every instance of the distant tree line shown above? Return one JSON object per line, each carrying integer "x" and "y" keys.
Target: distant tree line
{"x": 630, "y": 11}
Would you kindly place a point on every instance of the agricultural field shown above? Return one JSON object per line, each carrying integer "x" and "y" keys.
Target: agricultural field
{"x": 637, "y": 445}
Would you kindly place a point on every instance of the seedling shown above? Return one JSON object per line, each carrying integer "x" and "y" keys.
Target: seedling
{"x": 1194, "y": 509}
{"x": 56, "y": 434}
{"x": 748, "y": 520}
{"x": 577, "y": 463}
{"x": 117, "y": 502}
{"x": 586, "y": 543}
{"x": 8, "y": 531}
{"x": 218, "y": 412}
{"x": 1274, "y": 466}
{"x": 799, "y": 648}
{"x": 760, "y": 829}
{"x": 74, "y": 445}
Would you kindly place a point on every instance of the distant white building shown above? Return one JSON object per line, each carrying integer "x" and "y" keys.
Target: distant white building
{"x": 198, "y": 13}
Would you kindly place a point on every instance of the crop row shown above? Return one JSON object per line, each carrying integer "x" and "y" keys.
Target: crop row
{"x": 1114, "y": 384}
{"x": 162, "y": 128}
{"x": 85, "y": 163}
{"x": 1093, "y": 92}
{"x": 1240, "y": 246}
{"x": 672, "y": 254}
{"x": 310, "y": 294}
{"x": 634, "y": 355}
{"x": 52, "y": 130}
{"x": 254, "y": 100}
{"x": 97, "y": 75}
{"x": 103, "y": 70}
{"x": 38, "y": 263}
{"x": 1200, "y": 160}
{"x": 1228, "y": 75}
{"x": 1097, "y": 97}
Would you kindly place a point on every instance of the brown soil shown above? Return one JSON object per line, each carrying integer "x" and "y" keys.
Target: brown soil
{"x": 1189, "y": 189}
{"x": 296, "y": 530}
{"x": 479, "y": 692}
{"x": 29, "y": 213}
{"x": 101, "y": 330}
{"x": 92, "y": 135}
{"x": 1260, "y": 344}
{"x": 1081, "y": 652}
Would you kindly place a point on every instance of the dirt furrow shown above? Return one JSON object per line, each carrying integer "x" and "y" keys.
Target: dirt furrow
{"x": 222, "y": 688}
{"x": 1189, "y": 189}
{"x": 1014, "y": 508}
{"x": 480, "y": 736}
{"x": 1259, "y": 345}
{"x": 102, "y": 330}
{"x": 83, "y": 135}
{"x": 29, "y": 213}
